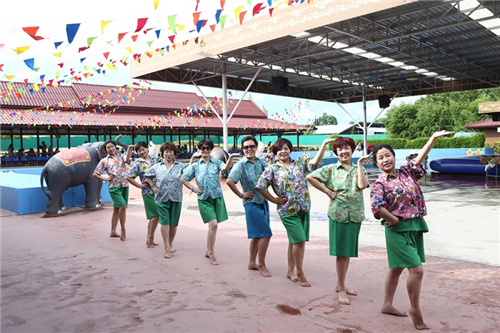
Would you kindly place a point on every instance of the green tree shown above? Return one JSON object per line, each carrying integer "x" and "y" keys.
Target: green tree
{"x": 325, "y": 119}
{"x": 449, "y": 111}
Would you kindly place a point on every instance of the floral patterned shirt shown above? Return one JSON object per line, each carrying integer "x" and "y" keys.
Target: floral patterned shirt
{"x": 289, "y": 182}
{"x": 207, "y": 177}
{"x": 114, "y": 166}
{"x": 248, "y": 173}
{"x": 139, "y": 168}
{"x": 400, "y": 195}
{"x": 348, "y": 204}
{"x": 167, "y": 180}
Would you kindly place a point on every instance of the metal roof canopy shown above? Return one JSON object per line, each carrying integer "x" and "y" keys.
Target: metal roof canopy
{"x": 420, "y": 37}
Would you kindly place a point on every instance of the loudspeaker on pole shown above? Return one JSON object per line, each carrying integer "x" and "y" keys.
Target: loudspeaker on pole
{"x": 384, "y": 101}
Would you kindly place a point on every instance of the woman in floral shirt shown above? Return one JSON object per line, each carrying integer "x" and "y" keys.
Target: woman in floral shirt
{"x": 116, "y": 168}
{"x": 399, "y": 202}
{"x": 210, "y": 199}
{"x": 343, "y": 183}
{"x": 287, "y": 177}
{"x": 139, "y": 168}
{"x": 165, "y": 180}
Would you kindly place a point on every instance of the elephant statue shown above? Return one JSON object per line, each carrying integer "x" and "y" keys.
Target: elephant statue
{"x": 70, "y": 168}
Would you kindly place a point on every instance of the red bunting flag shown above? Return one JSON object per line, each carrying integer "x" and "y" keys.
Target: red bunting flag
{"x": 26, "y": 81}
{"x": 83, "y": 48}
{"x": 222, "y": 2}
{"x": 134, "y": 38}
{"x": 242, "y": 16}
{"x": 271, "y": 11}
{"x": 1, "y": 67}
{"x": 196, "y": 17}
{"x": 257, "y": 8}
{"x": 31, "y": 31}
{"x": 106, "y": 55}
{"x": 212, "y": 27}
{"x": 171, "y": 38}
{"x": 61, "y": 64}
{"x": 141, "y": 23}
{"x": 121, "y": 35}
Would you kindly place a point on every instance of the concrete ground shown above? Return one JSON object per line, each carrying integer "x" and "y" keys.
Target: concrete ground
{"x": 66, "y": 275}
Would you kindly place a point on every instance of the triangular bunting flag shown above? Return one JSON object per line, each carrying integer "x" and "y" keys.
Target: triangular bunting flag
{"x": 106, "y": 55}
{"x": 156, "y": 3}
{"x": 90, "y": 40}
{"x": 22, "y": 49}
{"x": 32, "y": 32}
{"x": 103, "y": 24}
{"x": 158, "y": 33}
{"x": 121, "y": 35}
{"x": 71, "y": 30}
{"x": 134, "y": 38}
{"x": 141, "y": 23}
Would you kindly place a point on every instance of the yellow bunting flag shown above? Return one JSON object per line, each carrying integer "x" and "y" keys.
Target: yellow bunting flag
{"x": 21, "y": 49}
{"x": 58, "y": 54}
{"x": 156, "y": 3}
{"x": 103, "y": 24}
{"x": 128, "y": 48}
{"x": 10, "y": 77}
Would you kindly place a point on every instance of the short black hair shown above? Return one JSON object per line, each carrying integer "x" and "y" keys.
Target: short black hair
{"x": 109, "y": 141}
{"x": 168, "y": 146}
{"x": 276, "y": 147}
{"x": 382, "y": 146}
{"x": 249, "y": 138}
{"x": 206, "y": 142}
{"x": 141, "y": 144}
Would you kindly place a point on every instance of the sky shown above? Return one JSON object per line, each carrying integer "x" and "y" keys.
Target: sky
{"x": 52, "y": 16}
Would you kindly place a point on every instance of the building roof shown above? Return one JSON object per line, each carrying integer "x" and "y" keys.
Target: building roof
{"x": 129, "y": 120}
{"x": 488, "y": 123}
{"x": 28, "y": 96}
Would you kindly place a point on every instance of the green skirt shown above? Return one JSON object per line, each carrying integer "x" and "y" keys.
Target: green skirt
{"x": 150, "y": 206}
{"x": 297, "y": 227}
{"x": 344, "y": 238}
{"x": 405, "y": 243}
{"x": 213, "y": 209}
{"x": 119, "y": 195}
{"x": 170, "y": 212}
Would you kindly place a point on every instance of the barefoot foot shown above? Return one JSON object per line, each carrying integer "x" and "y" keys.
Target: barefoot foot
{"x": 253, "y": 266}
{"x": 207, "y": 254}
{"x": 303, "y": 281}
{"x": 292, "y": 277}
{"x": 168, "y": 254}
{"x": 123, "y": 235}
{"x": 347, "y": 291}
{"x": 391, "y": 310}
{"x": 114, "y": 234}
{"x": 213, "y": 260}
{"x": 264, "y": 271}
{"x": 173, "y": 250}
{"x": 418, "y": 321}
{"x": 343, "y": 299}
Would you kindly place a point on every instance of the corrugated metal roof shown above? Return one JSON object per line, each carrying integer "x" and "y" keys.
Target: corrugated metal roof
{"x": 11, "y": 116}
{"x": 484, "y": 124}
{"x": 92, "y": 95}
{"x": 28, "y": 97}
{"x": 154, "y": 99}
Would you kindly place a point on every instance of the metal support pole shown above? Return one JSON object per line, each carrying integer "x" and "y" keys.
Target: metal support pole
{"x": 69, "y": 138}
{"x": 37, "y": 141}
{"x": 365, "y": 124}
{"x": 171, "y": 137}
{"x": 88, "y": 135}
{"x": 224, "y": 111}
{"x": 21, "y": 137}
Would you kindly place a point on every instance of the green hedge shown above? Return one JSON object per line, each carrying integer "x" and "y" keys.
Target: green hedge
{"x": 476, "y": 141}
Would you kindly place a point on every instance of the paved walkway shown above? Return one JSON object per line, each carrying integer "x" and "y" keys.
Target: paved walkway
{"x": 65, "y": 275}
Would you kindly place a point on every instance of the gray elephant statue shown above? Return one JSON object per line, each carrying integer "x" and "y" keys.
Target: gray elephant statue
{"x": 70, "y": 168}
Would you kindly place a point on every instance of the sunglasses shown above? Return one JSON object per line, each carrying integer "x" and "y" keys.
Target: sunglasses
{"x": 249, "y": 147}
{"x": 205, "y": 148}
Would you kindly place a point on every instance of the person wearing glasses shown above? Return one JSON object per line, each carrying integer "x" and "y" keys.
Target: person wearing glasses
{"x": 210, "y": 199}
{"x": 287, "y": 177}
{"x": 343, "y": 183}
{"x": 247, "y": 171}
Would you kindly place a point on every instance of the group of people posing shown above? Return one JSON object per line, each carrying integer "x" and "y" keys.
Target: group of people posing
{"x": 396, "y": 198}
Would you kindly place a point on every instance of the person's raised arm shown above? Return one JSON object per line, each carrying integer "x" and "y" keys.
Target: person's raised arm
{"x": 193, "y": 188}
{"x": 319, "y": 156}
{"x": 129, "y": 154}
{"x": 194, "y": 157}
{"x": 362, "y": 180}
{"x": 229, "y": 162}
{"x": 422, "y": 154}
